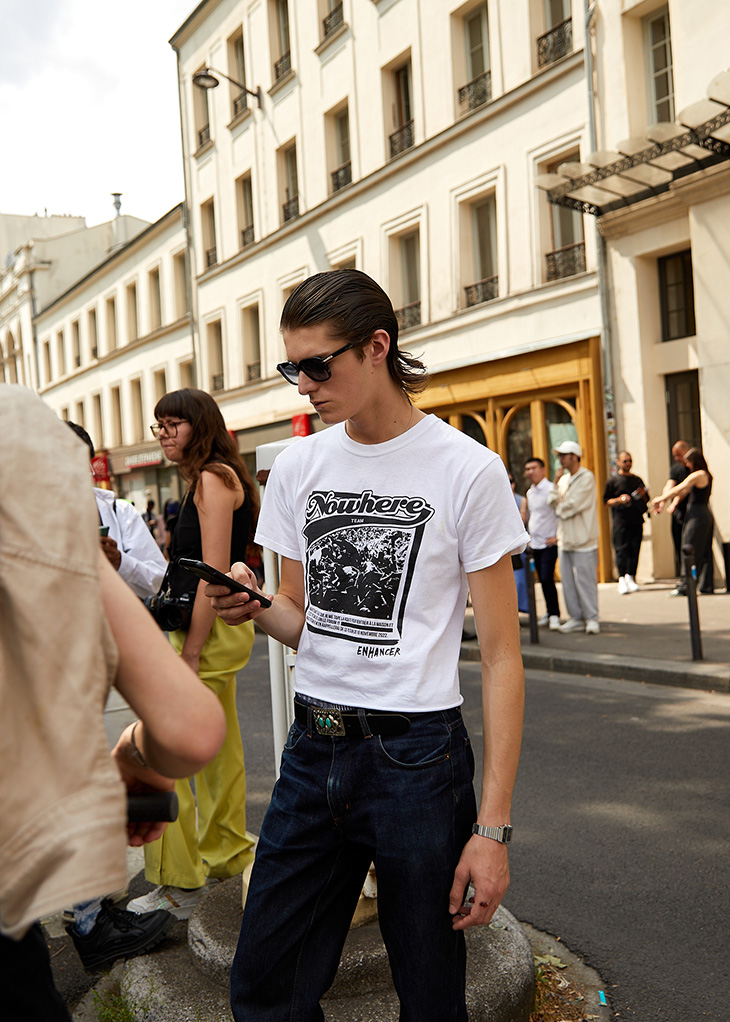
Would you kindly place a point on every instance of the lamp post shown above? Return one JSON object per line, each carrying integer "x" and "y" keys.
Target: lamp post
{"x": 208, "y": 79}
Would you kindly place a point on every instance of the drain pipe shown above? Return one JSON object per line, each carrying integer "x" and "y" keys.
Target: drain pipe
{"x": 602, "y": 257}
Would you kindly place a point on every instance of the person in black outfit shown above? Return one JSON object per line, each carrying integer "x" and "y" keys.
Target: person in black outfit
{"x": 677, "y": 474}
{"x": 627, "y": 497}
{"x": 698, "y": 522}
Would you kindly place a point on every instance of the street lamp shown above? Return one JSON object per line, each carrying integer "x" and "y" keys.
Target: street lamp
{"x": 208, "y": 79}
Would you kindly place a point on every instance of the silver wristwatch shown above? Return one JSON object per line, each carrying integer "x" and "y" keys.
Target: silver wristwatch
{"x": 501, "y": 834}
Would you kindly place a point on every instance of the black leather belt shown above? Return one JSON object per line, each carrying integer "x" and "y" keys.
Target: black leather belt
{"x": 333, "y": 723}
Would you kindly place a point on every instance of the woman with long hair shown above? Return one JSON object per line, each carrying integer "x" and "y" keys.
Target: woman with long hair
{"x": 215, "y": 524}
{"x": 698, "y": 520}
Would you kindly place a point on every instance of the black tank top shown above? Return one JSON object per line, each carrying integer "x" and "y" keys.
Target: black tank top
{"x": 187, "y": 541}
{"x": 699, "y": 498}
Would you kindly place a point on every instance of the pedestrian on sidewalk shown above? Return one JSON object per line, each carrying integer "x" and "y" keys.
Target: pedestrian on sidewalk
{"x": 377, "y": 765}
{"x": 627, "y": 497}
{"x": 677, "y": 474}
{"x": 208, "y": 841}
{"x": 573, "y": 498}
{"x": 519, "y": 565}
{"x": 69, "y": 629}
{"x": 542, "y": 524}
{"x": 698, "y": 523}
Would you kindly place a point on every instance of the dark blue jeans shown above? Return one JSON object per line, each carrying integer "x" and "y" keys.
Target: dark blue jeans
{"x": 407, "y": 804}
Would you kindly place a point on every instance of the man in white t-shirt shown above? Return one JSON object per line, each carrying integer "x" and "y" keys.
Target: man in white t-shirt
{"x": 542, "y": 524}
{"x": 382, "y": 523}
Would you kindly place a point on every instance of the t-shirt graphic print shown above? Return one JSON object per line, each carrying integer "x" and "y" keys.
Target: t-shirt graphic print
{"x": 361, "y": 551}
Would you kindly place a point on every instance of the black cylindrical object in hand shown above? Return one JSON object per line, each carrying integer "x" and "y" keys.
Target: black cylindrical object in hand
{"x": 151, "y": 806}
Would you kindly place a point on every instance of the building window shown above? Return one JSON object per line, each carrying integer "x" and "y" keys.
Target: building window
{"x": 201, "y": 115}
{"x": 155, "y": 298}
{"x": 237, "y": 71}
{"x": 187, "y": 374}
{"x": 111, "y": 324}
{"x": 47, "y": 361}
{"x": 333, "y": 19}
{"x": 251, "y": 333}
{"x": 658, "y": 44}
{"x": 137, "y": 418}
{"x": 340, "y": 142}
{"x": 683, "y": 407}
{"x": 290, "y": 183}
{"x": 482, "y": 225}
{"x": 478, "y": 89}
{"x": 132, "y": 313}
{"x": 282, "y": 65}
{"x": 402, "y": 138}
{"x": 98, "y": 420}
{"x": 409, "y": 260}
{"x": 180, "y": 280}
{"x": 61, "y": 353}
{"x": 207, "y": 218}
{"x": 244, "y": 203}
{"x": 93, "y": 334}
{"x": 557, "y": 40}
{"x": 566, "y": 253}
{"x": 116, "y": 399}
{"x": 214, "y": 337}
{"x": 80, "y": 414}
{"x": 677, "y": 296}
{"x": 159, "y": 380}
{"x": 76, "y": 343}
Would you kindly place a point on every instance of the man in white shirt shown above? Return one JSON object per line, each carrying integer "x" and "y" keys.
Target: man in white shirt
{"x": 573, "y": 498}
{"x": 377, "y": 554}
{"x": 542, "y": 524}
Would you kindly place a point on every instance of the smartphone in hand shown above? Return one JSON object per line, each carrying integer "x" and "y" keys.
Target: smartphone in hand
{"x": 210, "y": 574}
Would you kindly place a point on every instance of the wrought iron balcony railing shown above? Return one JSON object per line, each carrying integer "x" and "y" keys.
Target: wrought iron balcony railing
{"x": 290, "y": 209}
{"x": 477, "y": 92}
{"x": 483, "y": 291}
{"x": 408, "y": 316}
{"x": 401, "y": 139}
{"x": 240, "y": 104}
{"x": 342, "y": 176}
{"x": 566, "y": 261}
{"x": 218, "y": 381}
{"x": 211, "y": 256}
{"x": 282, "y": 66}
{"x": 556, "y": 43}
{"x": 204, "y": 135}
{"x": 333, "y": 20}
{"x": 247, "y": 237}
{"x": 253, "y": 371}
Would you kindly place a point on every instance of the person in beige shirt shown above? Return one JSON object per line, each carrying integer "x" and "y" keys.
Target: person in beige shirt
{"x": 70, "y": 627}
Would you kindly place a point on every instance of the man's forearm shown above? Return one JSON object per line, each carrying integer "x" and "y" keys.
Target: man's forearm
{"x": 503, "y": 700}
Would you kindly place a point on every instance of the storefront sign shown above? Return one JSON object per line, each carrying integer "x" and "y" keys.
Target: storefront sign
{"x": 100, "y": 469}
{"x": 142, "y": 459}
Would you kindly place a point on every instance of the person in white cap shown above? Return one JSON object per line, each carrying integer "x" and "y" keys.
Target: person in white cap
{"x": 573, "y": 498}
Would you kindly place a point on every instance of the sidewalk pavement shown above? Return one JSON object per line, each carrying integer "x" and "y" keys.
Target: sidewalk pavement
{"x": 644, "y": 637}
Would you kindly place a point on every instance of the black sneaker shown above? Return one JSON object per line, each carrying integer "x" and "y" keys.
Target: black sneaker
{"x": 119, "y": 934}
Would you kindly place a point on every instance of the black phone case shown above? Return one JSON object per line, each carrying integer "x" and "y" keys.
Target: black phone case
{"x": 217, "y": 578}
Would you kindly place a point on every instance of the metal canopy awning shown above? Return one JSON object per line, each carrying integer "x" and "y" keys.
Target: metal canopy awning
{"x": 642, "y": 167}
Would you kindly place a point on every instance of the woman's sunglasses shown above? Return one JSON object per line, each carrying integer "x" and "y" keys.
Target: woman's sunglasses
{"x": 315, "y": 368}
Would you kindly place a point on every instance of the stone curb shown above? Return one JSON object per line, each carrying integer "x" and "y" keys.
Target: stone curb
{"x": 711, "y": 677}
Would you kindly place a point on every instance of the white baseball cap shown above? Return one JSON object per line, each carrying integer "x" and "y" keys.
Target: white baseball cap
{"x": 568, "y": 447}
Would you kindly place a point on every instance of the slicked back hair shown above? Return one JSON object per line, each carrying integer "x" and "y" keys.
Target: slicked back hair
{"x": 353, "y": 306}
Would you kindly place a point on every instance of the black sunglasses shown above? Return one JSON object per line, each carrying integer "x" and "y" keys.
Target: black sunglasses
{"x": 315, "y": 368}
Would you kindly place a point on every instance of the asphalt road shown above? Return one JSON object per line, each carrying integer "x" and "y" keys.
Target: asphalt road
{"x": 622, "y": 830}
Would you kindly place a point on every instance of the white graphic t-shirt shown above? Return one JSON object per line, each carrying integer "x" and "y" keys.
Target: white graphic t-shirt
{"x": 386, "y": 534}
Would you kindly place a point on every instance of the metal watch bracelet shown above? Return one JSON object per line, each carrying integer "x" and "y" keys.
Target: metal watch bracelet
{"x": 502, "y": 834}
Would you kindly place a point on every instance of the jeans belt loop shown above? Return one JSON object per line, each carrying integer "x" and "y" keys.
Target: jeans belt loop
{"x": 363, "y": 718}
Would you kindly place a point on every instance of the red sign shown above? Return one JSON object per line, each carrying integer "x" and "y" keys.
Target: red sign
{"x": 301, "y": 425}
{"x": 100, "y": 469}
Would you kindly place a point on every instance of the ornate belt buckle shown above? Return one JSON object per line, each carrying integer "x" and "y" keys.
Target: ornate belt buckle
{"x": 327, "y": 722}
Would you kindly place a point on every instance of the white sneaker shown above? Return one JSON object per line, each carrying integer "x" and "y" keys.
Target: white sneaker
{"x": 572, "y": 625}
{"x": 623, "y": 586}
{"x": 631, "y": 584}
{"x": 542, "y": 621}
{"x": 554, "y": 624}
{"x": 175, "y": 900}
{"x": 593, "y": 628}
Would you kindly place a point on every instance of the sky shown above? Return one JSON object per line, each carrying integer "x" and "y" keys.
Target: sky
{"x": 89, "y": 106}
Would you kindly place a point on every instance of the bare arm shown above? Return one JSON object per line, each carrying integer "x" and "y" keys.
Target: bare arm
{"x": 283, "y": 621}
{"x": 680, "y": 491}
{"x": 483, "y": 861}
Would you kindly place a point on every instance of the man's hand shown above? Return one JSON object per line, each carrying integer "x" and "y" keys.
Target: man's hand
{"x": 112, "y": 551}
{"x": 235, "y": 608}
{"x": 483, "y": 862}
{"x": 139, "y": 779}
{"x": 558, "y": 474}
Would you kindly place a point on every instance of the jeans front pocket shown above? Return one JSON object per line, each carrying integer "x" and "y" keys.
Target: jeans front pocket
{"x": 426, "y": 743}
